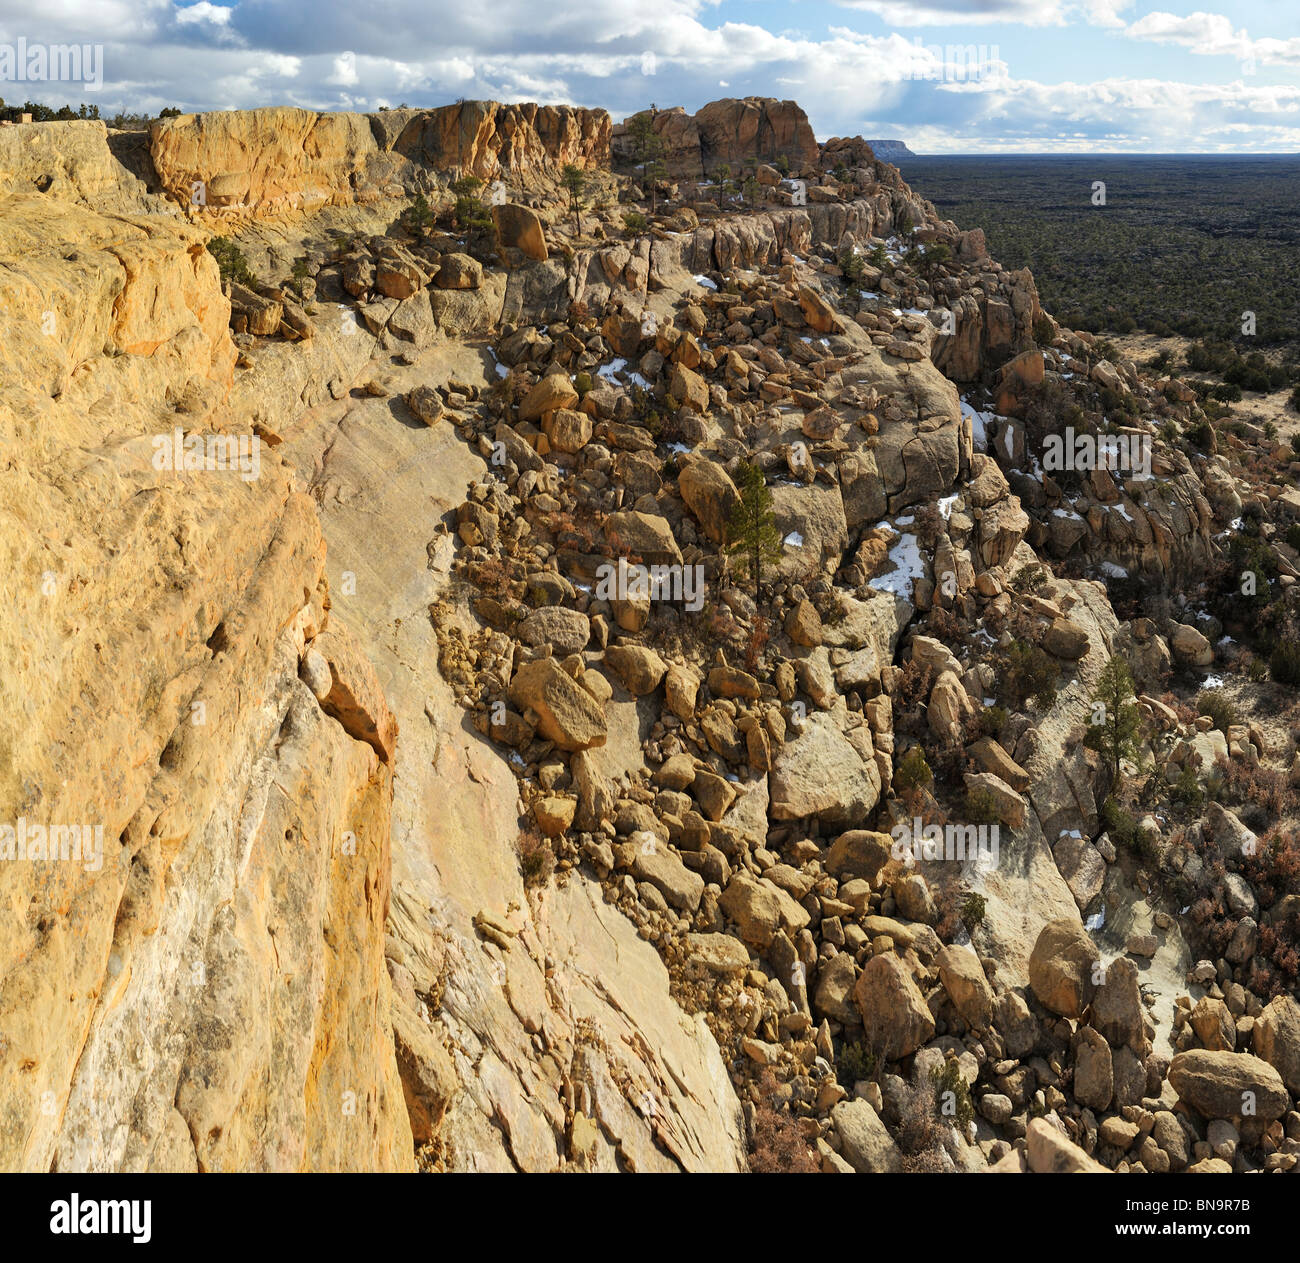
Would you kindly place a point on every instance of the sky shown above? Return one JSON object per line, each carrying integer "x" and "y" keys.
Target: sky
{"x": 945, "y": 76}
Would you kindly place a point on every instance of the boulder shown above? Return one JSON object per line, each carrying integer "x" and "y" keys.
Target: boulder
{"x": 1049, "y": 1152}
{"x": 859, "y": 853}
{"x": 553, "y": 391}
{"x": 710, "y": 495}
{"x": 821, "y": 774}
{"x": 644, "y": 536}
{"x": 1061, "y": 968}
{"x": 760, "y": 908}
{"x": 426, "y": 404}
{"x": 639, "y": 668}
{"x": 566, "y": 713}
{"x": 963, "y": 979}
{"x": 1066, "y": 639}
{"x": 459, "y": 271}
{"x": 1228, "y": 1085}
{"x": 865, "y": 1143}
{"x": 1276, "y": 1038}
{"x": 566, "y": 631}
{"x": 895, "y": 1016}
{"x": 520, "y": 228}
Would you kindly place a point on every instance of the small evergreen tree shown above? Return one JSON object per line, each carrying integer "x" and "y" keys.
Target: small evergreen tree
{"x": 751, "y": 529}
{"x": 723, "y": 177}
{"x": 575, "y": 180}
{"x": 654, "y": 172}
{"x": 1115, "y": 721}
{"x": 418, "y": 215}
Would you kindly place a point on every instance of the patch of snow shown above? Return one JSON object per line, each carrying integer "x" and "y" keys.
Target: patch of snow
{"x": 794, "y": 540}
{"x": 946, "y": 505}
{"x": 1212, "y": 682}
{"x": 1112, "y": 571}
{"x": 1097, "y": 920}
{"x": 706, "y": 281}
{"x": 908, "y": 567}
{"x": 978, "y": 424}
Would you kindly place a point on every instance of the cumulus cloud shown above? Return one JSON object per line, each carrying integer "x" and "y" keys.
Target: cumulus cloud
{"x": 202, "y": 12}
{"x": 1212, "y": 35}
{"x": 962, "y": 12}
{"x": 903, "y": 82}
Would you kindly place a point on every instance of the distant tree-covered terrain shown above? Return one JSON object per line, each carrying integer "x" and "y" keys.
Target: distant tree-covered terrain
{"x": 1182, "y": 245}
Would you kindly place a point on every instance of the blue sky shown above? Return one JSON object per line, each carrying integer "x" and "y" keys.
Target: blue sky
{"x": 961, "y": 76}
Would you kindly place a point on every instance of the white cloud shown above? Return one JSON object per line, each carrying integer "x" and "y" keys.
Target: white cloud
{"x": 962, "y": 12}
{"x": 345, "y": 71}
{"x": 1212, "y": 35}
{"x": 202, "y": 12}
{"x": 907, "y": 83}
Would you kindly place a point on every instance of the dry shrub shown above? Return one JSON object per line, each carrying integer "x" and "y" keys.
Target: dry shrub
{"x": 777, "y": 1146}
{"x": 536, "y": 858}
{"x": 492, "y": 577}
{"x": 1263, "y": 790}
{"x": 759, "y": 635}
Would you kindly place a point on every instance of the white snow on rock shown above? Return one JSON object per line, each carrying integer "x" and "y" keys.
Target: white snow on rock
{"x": 905, "y": 553}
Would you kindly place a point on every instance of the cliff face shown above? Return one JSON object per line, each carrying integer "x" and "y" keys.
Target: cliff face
{"x": 71, "y": 161}
{"x": 197, "y": 980}
{"x": 731, "y": 131}
{"x": 277, "y": 161}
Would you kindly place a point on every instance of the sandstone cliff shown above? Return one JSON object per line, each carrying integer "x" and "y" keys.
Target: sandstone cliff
{"x": 279, "y": 161}
{"x": 730, "y": 131}
{"x": 207, "y": 990}
{"x": 425, "y": 848}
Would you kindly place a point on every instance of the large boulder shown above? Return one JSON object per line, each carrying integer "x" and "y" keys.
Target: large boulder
{"x": 520, "y": 228}
{"x": 821, "y": 774}
{"x": 566, "y": 713}
{"x": 1228, "y": 1085}
{"x": 554, "y": 391}
{"x": 647, "y": 537}
{"x": 1277, "y": 1038}
{"x": 1049, "y": 1152}
{"x": 707, "y": 490}
{"x": 895, "y": 1016}
{"x": 639, "y": 668}
{"x": 1094, "y": 1071}
{"x": 566, "y": 631}
{"x": 760, "y": 908}
{"x": 859, "y": 853}
{"x": 865, "y": 1144}
{"x": 1117, "y": 1008}
{"x": 1061, "y": 968}
{"x": 963, "y": 979}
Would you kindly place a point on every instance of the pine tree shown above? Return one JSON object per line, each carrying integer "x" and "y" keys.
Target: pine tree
{"x": 751, "y": 529}
{"x": 575, "y": 180}
{"x": 647, "y": 148}
{"x": 1115, "y": 720}
{"x": 723, "y": 177}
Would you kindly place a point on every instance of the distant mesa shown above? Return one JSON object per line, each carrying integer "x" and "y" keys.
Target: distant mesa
{"x": 890, "y": 150}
